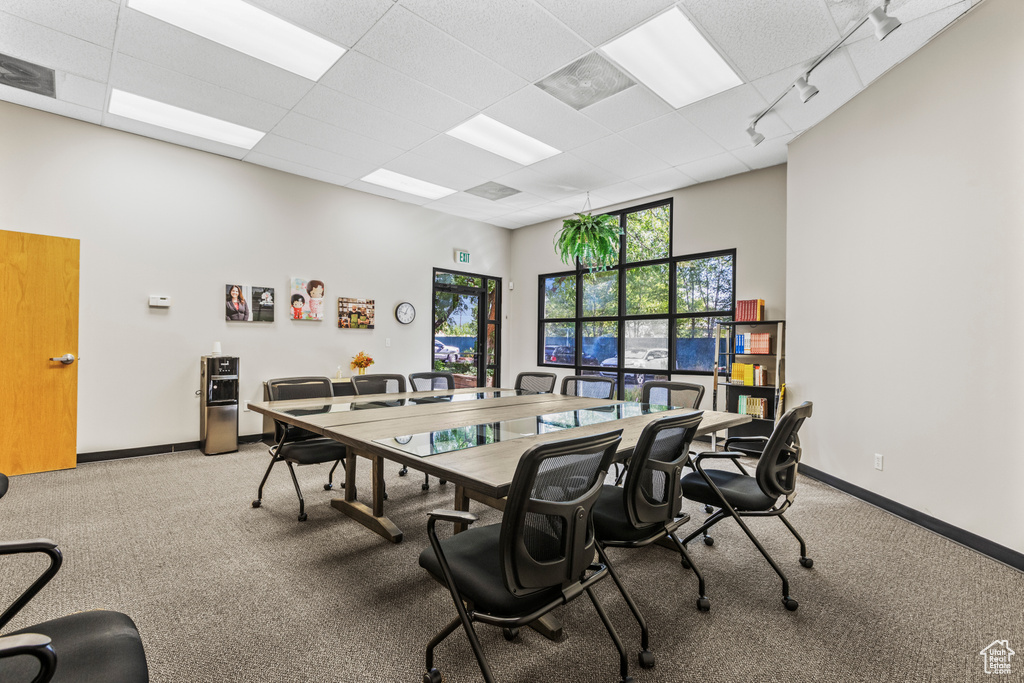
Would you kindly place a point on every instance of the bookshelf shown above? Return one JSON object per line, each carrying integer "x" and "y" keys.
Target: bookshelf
{"x": 753, "y": 376}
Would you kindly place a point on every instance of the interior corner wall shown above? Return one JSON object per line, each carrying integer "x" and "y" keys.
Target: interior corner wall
{"x": 905, "y": 253}
{"x": 159, "y": 219}
{"x": 746, "y": 212}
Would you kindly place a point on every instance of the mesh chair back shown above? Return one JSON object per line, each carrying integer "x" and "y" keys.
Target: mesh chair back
{"x": 535, "y": 382}
{"x": 547, "y": 536}
{"x": 378, "y": 384}
{"x": 431, "y": 381}
{"x": 676, "y": 394}
{"x": 777, "y": 467}
{"x": 653, "y": 494}
{"x": 589, "y": 386}
{"x": 291, "y": 388}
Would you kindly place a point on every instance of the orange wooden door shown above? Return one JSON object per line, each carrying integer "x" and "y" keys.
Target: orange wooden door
{"x": 39, "y": 314}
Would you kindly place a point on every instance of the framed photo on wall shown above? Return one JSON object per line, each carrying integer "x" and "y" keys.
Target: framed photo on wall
{"x": 355, "y": 313}
{"x": 307, "y": 299}
{"x": 246, "y": 303}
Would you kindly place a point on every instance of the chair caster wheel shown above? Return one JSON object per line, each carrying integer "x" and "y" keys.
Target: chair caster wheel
{"x": 302, "y": 517}
{"x": 646, "y": 659}
{"x": 402, "y": 472}
{"x": 425, "y": 487}
{"x": 510, "y": 632}
{"x": 790, "y": 603}
{"x": 385, "y": 496}
{"x": 806, "y": 562}
{"x": 257, "y": 503}
{"x": 442, "y": 482}
{"x": 704, "y": 603}
{"x": 708, "y": 509}
{"x": 708, "y": 540}
{"x": 686, "y": 565}
{"x": 433, "y": 676}
{"x": 328, "y": 487}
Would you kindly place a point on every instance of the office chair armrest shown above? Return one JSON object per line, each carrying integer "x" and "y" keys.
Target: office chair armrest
{"x": 35, "y": 545}
{"x": 453, "y": 516}
{"x": 33, "y": 645}
{"x": 745, "y": 439}
{"x": 727, "y": 455}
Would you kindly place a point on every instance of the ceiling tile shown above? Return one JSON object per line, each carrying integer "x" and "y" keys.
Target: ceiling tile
{"x": 762, "y": 37}
{"x": 618, "y": 156}
{"x": 599, "y": 23}
{"x": 672, "y": 139}
{"x": 371, "y": 81}
{"x": 172, "y": 136}
{"x": 529, "y": 180}
{"x": 725, "y": 117}
{"x": 663, "y": 181}
{"x": 423, "y": 52}
{"x": 517, "y": 34}
{"x": 450, "y": 175}
{"x": 175, "y": 49}
{"x": 43, "y": 103}
{"x": 94, "y": 21}
{"x": 370, "y": 188}
{"x": 446, "y": 151}
{"x": 180, "y": 90}
{"x": 714, "y": 168}
{"x": 82, "y": 91}
{"x": 573, "y": 173}
{"x": 333, "y": 139}
{"x": 306, "y": 155}
{"x": 534, "y": 112}
{"x": 355, "y": 115}
{"x": 616, "y": 194}
{"x": 296, "y": 169}
{"x": 771, "y": 152}
{"x": 628, "y": 108}
{"x": 343, "y": 23}
{"x": 50, "y": 48}
{"x": 837, "y": 82}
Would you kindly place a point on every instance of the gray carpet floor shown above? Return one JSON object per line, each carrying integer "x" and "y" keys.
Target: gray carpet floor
{"x": 223, "y": 592}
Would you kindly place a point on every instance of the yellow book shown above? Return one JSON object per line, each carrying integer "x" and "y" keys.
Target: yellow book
{"x": 748, "y": 374}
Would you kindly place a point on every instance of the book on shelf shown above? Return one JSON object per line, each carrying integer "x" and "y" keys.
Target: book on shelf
{"x": 753, "y": 343}
{"x": 750, "y": 310}
{"x": 752, "y": 406}
{"x": 749, "y": 374}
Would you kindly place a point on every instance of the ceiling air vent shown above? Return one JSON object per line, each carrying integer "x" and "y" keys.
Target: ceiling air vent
{"x": 493, "y": 191}
{"x": 586, "y": 81}
{"x": 18, "y": 73}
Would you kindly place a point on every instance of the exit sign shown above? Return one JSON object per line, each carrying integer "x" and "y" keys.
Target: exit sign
{"x": 461, "y": 256}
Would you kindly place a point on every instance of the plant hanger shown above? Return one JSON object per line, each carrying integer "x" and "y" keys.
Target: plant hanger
{"x": 592, "y": 241}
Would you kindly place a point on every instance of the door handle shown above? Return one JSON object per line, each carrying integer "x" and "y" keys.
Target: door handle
{"x": 66, "y": 359}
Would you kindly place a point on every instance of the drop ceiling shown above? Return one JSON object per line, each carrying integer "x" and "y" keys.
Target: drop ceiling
{"x": 415, "y": 69}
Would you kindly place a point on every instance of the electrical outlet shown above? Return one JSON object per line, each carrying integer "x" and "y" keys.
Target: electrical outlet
{"x": 878, "y": 461}
{"x": 387, "y": 341}
{"x": 245, "y": 406}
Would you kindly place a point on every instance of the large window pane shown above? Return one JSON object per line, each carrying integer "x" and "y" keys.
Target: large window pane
{"x": 704, "y": 285}
{"x": 646, "y": 344}
{"x": 647, "y": 234}
{"x": 443, "y": 278}
{"x": 695, "y": 344}
{"x": 560, "y": 343}
{"x": 600, "y": 342}
{"x": 647, "y": 290}
{"x": 601, "y": 294}
{"x": 560, "y": 297}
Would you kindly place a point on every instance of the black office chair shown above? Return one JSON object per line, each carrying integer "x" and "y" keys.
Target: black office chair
{"x": 739, "y": 494}
{"x": 98, "y": 645}
{"x": 378, "y": 384}
{"x": 539, "y": 557}
{"x": 647, "y": 508}
{"x": 590, "y": 386}
{"x": 428, "y": 381}
{"x": 296, "y": 446}
{"x": 675, "y": 394}
{"x": 535, "y": 382}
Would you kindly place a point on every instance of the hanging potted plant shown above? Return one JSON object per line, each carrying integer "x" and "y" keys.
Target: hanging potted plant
{"x": 591, "y": 240}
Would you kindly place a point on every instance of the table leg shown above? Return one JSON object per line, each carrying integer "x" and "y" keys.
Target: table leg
{"x": 371, "y": 517}
{"x": 462, "y": 505}
{"x": 378, "y": 489}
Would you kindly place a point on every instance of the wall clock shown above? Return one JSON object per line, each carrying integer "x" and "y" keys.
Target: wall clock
{"x": 405, "y": 313}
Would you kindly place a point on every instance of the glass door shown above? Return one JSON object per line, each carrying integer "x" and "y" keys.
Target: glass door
{"x": 467, "y": 321}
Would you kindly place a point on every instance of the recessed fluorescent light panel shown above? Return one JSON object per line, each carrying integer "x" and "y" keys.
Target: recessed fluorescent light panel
{"x": 240, "y": 26}
{"x": 488, "y": 134}
{"x": 670, "y": 56}
{"x": 182, "y": 120}
{"x": 403, "y": 183}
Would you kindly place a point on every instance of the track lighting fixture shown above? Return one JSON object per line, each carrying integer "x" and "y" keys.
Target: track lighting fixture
{"x": 884, "y": 25}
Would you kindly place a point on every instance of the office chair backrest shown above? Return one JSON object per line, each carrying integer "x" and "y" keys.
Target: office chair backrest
{"x": 675, "y": 394}
{"x": 652, "y": 489}
{"x": 3, "y": 484}
{"x": 535, "y": 382}
{"x": 378, "y": 384}
{"x": 290, "y": 388}
{"x": 547, "y": 537}
{"x": 431, "y": 381}
{"x": 589, "y": 386}
{"x": 777, "y": 467}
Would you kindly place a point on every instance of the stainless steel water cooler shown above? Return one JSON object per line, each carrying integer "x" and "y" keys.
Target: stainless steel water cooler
{"x": 218, "y": 405}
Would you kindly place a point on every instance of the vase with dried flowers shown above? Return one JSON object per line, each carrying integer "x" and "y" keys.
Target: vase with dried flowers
{"x": 361, "y": 361}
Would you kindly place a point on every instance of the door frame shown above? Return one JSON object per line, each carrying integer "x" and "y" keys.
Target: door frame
{"x": 482, "y": 320}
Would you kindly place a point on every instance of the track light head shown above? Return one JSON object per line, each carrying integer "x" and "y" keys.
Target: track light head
{"x": 755, "y": 137}
{"x": 806, "y": 90}
{"x": 884, "y": 24}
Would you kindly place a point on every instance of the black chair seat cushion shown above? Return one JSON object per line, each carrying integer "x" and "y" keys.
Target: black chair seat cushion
{"x": 741, "y": 491}
{"x": 474, "y": 558}
{"x": 99, "y": 646}
{"x": 3, "y": 484}
{"x": 312, "y": 452}
{"x": 611, "y": 523}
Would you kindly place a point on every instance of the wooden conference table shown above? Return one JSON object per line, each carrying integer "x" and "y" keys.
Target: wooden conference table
{"x": 472, "y": 438}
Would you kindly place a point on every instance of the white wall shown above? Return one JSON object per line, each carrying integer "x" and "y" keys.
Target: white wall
{"x": 906, "y": 245}
{"x": 154, "y": 218}
{"x": 746, "y": 212}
